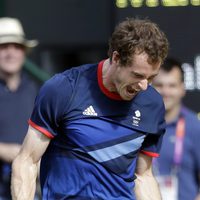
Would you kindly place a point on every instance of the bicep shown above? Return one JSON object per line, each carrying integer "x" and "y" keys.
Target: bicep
{"x": 144, "y": 164}
{"x": 34, "y": 145}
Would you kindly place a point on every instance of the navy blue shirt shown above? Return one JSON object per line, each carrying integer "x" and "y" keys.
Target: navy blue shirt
{"x": 15, "y": 108}
{"x": 189, "y": 168}
{"x": 96, "y": 136}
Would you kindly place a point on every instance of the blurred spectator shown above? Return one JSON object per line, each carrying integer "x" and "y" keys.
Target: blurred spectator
{"x": 178, "y": 167}
{"x": 17, "y": 94}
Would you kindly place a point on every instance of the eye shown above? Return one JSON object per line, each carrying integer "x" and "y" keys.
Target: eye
{"x": 136, "y": 75}
{"x": 157, "y": 84}
{"x": 4, "y": 46}
{"x": 19, "y": 46}
{"x": 150, "y": 79}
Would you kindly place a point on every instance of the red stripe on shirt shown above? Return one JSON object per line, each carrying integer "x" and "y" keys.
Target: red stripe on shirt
{"x": 39, "y": 128}
{"x": 152, "y": 154}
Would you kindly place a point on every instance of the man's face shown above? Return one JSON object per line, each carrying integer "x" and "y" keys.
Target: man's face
{"x": 129, "y": 80}
{"x": 11, "y": 58}
{"x": 171, "y": 87}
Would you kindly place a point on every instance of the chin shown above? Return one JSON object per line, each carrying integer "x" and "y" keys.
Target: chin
{"x": 127, "y": 98}
{"x": 12, "y": 70}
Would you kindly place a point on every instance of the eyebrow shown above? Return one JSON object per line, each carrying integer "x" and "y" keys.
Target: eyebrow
{"x": 143, "y": 76}
{"x": 137, "y": 74}
{"x": 154, "y": 75}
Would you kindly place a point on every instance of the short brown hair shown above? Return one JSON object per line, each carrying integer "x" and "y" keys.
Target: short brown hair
{"x": 138, "y": 35}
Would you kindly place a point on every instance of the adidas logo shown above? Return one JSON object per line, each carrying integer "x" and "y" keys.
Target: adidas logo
{"x": 90, "y": 111}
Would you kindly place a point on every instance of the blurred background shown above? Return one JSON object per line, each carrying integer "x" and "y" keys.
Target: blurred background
{"x": 74, "y": 32}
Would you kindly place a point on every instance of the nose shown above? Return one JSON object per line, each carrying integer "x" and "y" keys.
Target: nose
{"x": 143, "y": 84}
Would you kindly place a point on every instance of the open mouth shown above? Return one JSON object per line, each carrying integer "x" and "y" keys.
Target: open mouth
{"x": 131, "y": 91}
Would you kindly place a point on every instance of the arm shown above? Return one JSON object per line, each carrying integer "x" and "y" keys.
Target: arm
{"x": 24, "y": 167}
{"x": 8, "y": 151}
{"x": 146, "y": 187}
{"x": 197, "y": 197}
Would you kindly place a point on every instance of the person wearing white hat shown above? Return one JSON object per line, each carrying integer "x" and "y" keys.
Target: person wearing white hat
{"x": 17, "y": 94}
{"x": 11, "y": 31}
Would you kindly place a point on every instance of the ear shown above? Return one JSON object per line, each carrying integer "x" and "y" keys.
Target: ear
{"x": 115, "y": 57}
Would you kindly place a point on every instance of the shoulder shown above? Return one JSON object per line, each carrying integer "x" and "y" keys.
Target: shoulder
{"x": 154, "y": 95}
{"x": 80, "y": 75}
{"x": 29, "y": 85}
{"x": 75, "y": 72}
{"x": 150, "y": 97}
{"x": 57, "y": 89}
{"x": 55, "y": 83}
{"x": 28, "y": 80}
{"x": 192, "y": 124}
{"x": 64, "y": 84}
{"x": 191, "y": 118}
{"x": 151, "y": 106}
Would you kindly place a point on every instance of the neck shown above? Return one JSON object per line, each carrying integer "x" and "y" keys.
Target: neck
{"x": 172, "y": 114}
{"x": 12, "y": 80}
{"x": 107, "y": 73}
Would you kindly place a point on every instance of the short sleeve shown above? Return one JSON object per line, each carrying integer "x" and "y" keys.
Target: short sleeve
{"x": 50, "y": 104}
{"x": 152, "y": 143}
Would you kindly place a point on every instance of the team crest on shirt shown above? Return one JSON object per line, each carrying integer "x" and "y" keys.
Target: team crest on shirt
{"x": 136, "y": 118}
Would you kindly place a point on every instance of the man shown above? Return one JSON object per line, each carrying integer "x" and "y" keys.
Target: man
{"x": 178, "y": 166}
{"x": 17, "y": 95}
{"x": 90, "y": 123}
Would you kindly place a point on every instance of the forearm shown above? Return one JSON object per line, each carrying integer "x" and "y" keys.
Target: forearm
{"x": 23, "y": 183}
{"x": 146, "y": 188}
